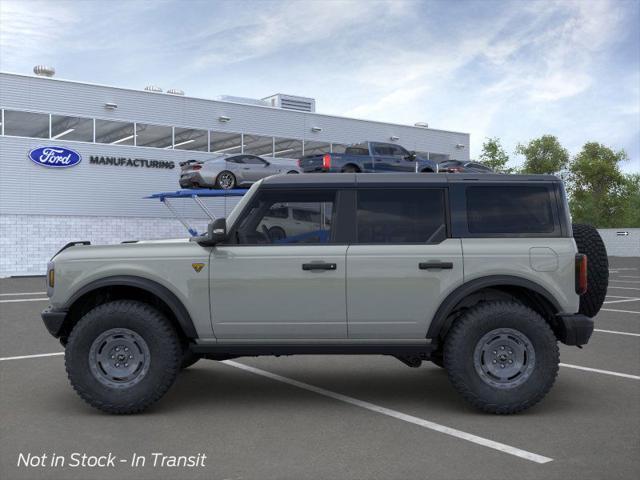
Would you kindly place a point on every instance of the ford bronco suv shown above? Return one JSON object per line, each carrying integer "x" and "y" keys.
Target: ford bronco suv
{"x": 480, "y": 274}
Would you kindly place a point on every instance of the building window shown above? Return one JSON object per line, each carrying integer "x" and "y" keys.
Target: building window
{"x": 156, "y": 136}
{"x": 226, "y": 143}
{"x": 287, "y": 148}
{"x": 26, "y": 124}
{"x": 191, "y": 139}
{"x": 71, "y": 128}
{"x": 115, "y": 133}
{"x": 258, "y": 145}
{"x": 316, "y": 148}
{"x": 338, "y": 148}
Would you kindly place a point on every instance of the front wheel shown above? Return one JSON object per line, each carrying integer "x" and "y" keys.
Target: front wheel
{"x": 123, "y": 356}
{"x": 502, "y": 357}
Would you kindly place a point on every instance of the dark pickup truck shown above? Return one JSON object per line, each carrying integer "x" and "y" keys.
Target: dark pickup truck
{"x": 371, "y": 157}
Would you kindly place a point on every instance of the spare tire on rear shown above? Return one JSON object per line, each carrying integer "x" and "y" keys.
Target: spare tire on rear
{"x": 590, "y": 243}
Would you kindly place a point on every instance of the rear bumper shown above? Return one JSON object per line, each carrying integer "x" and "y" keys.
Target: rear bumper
{"x": 574, "y": 329}
{"x": 54, "y": 320}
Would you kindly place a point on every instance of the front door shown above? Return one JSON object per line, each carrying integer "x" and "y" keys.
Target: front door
{"x": 281, "y": 277}
{"x": 402, "y": 264}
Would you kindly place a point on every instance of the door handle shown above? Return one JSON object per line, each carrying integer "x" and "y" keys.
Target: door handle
{"x": 435, "y": 265}
{"x": 319, "y": 266}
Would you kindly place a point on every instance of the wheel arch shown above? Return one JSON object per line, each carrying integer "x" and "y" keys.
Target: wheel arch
{"x": 495, "y": 287}
{"x": 354, "y": 165}
{"x": 131, "y": 287}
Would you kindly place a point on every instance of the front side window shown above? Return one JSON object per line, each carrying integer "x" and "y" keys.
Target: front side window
{"x": 509, "y": 209}
{"x": 394, "y": 216}
{"x": 267, "y": 219}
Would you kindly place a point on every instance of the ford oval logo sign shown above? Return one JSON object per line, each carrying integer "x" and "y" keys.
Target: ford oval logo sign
{"x": 55, "y": 157}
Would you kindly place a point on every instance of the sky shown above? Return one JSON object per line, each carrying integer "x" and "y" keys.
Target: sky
{"x": 509, "y": 69}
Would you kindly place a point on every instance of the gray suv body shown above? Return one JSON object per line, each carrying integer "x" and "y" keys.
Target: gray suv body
{"x": 480, "y": 274}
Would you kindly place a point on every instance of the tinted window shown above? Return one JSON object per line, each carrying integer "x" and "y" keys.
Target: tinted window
{"x": 236, "y": 159}
{"x": 509, "y": 209}
{"x": 253, "y": 160}
{"x": 398, "y": 151}
{"x": 401, "y": 216}
{"x": 71, "y": 128}
{"x": 266, "y": 220}
{"x": 26, "y": 124}
{"x": 113, "y": 132}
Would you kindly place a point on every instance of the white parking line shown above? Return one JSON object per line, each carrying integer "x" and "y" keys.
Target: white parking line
{"x": 39, "y": 355}
{"x": 621, "y": 268}
{"x": 619, "y": 311}
{"x": 617, "y": 296}
{"x": 597, "y": 370}
{"x": 616, "y": 332}
{"x": 21, "y": 293}
{"x": 621, "y": 301}
{"x": 622, "y": 288}
{"x": 533, "y": 457}
{"x": 25, "y": 300}
{"x": 624, "y": 281}
{"x": 628, "y": 276}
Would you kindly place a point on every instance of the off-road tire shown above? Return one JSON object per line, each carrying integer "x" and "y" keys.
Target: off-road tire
{"x": 590, "y": 243}
{"x": 468, "y": 331}
{"x": 162, "y": 341}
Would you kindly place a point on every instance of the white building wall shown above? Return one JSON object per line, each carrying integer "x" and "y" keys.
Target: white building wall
{"x": 620, "y": 245}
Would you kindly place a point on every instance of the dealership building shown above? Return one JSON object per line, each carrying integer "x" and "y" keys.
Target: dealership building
{"x": 127, "y": 144}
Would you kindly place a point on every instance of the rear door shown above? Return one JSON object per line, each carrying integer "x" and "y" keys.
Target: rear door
{"x": 402, "y": 264}
{"x": 383, "y": 158}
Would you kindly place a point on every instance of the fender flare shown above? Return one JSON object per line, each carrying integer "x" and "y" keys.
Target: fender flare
{"x": 440, "y": 322}
{"x": 163, "y": 293}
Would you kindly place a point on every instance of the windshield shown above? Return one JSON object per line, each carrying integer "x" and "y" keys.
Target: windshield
{"x": 233, "y": 216}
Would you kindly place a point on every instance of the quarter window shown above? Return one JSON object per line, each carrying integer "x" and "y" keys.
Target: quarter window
{"x": 509, "y": 209}
{"x": 395, "y": 216}
{"x": 267, "y": 220}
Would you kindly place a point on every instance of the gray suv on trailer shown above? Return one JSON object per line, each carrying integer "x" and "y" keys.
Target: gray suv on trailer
{"x": 480, "y": 274}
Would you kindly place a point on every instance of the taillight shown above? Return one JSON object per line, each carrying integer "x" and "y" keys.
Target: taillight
{"x": 326, "y": 161}
{"x": 196, "y": 167}
{"x": 299, "y": 162}
{"x": 581, "y": 273}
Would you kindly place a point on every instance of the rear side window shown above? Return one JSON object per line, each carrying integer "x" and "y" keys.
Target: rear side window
{"x": 509, "y": 209}
{"x": 401, "y": 216}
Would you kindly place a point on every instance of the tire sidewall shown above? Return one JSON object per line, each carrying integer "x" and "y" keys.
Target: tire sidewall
{"x": 459, "y": 354}
{"x": 143, "y": 320}
{"x": 235, "y": 180}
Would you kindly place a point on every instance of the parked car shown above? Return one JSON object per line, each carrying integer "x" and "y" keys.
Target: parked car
{"x": 369, "y": 157}
{"x": 462, "y": 166}
{"x": 284, "y": 223}
{"x": 233, "y": 171}
{"x": 483, "y": 276}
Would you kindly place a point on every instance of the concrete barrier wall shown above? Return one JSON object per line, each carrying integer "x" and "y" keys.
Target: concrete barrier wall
{"x": 621, "y": 242}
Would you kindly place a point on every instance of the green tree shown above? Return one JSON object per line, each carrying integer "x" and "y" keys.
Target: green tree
{"x": 631, "y": 203}
{"x": 599, "y": 193}
{"x": 494, "y": 156}
{"x": 543, "y": 155}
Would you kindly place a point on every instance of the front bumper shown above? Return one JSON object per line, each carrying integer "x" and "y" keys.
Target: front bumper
{"x": 574, "y": 329}
{"x": 54, "y": 320}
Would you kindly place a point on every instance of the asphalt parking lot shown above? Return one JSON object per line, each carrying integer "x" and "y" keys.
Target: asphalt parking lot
{"x": 315, "y": 417}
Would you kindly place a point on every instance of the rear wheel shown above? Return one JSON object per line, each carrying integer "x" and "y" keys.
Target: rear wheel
{"x": 123, "y": 356}
{"x": 225, "y": 180}
{"x": 590, "y": 243}
{"x": 502, "y": 357}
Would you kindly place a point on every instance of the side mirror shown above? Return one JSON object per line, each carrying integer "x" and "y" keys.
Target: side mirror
{"x": 411, "y": 157}
{"x": 216, "y": 233}
{"x": 217, "y": 230}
